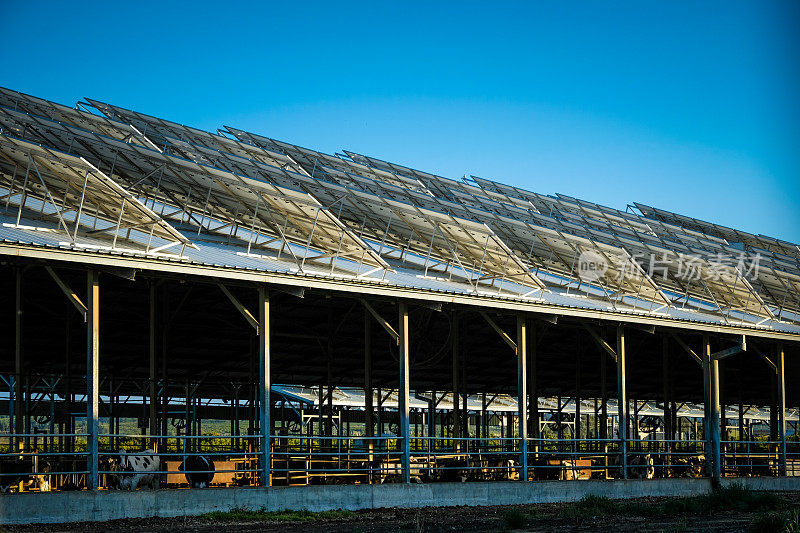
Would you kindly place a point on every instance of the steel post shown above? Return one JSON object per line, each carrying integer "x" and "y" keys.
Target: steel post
{"x": 264, "y": 383}
{"x": 779, "y": 363}
{"x": 712, "y": 408}
{"x": 403, "y": 392}
{"x": 522, "y": 394}
{"x": 18, "y": 401}
{"x": 152, "y": 381}
{"x": 622, "y": 400}
{"x": 456, "y": 386}
{"x": 93, "y": 378}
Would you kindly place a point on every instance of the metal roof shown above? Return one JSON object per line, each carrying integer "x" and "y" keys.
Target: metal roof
{"x": 128, "y": 184}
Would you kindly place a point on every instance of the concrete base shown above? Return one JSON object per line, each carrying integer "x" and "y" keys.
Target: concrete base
{"x": 55, "y": 507}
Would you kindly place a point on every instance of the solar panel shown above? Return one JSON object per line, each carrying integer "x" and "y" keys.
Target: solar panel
{"x": 311, "y": 206}
{"x": 69, "y": 184}
{"x": 206, "y": 195}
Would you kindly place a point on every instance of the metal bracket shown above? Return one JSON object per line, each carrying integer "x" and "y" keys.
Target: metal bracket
{"x": 238, "y": 305}
{"x": 689, "y": 351}
{"x": 298, "y": 292}
{"x": 552, "y": 319}
{"x": 69, "y": 293}
{"x": 601, "y": 342}
{"x": 508, "y": 340}
{"x": 765, "y": 357}
{"x": 388, "y": 327}
{"x": 741, "y": 347}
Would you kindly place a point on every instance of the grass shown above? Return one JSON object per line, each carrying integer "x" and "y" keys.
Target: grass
{"x": 731, "y": 498}
{"x": 769, "y": 510}
{"x": 238, "y": 514}
{"x": 781, "y": 522}
{"x": 514, "y": 519}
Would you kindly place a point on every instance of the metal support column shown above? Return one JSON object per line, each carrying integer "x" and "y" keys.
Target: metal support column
{"x": 93, "y": 378}
{"x": 264, "y": 383}
{"x": 668, "y": 429}
{"x": 711, "y": 400}
{"x": 576, "y": 428}
{"x": 456, "y": 386}
{"x": 403, "y": 391}
{"x": 622, "y": 400}
{"x": 18, "y": 402}
{"x": 369, "y": 411}
{"x": 152, "y": 383}
{"x": 522, "y": 394}
{"x": 779, "y": 363}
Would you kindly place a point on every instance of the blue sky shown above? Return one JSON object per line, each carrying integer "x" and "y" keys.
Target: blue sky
{"x": 692, "y": 107}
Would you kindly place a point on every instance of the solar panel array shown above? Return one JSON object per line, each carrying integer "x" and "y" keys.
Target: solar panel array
{"x": 357, "y": 213}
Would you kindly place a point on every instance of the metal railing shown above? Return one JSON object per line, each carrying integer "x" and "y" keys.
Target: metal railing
{"x": 45, "y": 461}
{"x": 464, "y": 458}
{"x": 316, "y": 459}
{"x": 232, "y": 459}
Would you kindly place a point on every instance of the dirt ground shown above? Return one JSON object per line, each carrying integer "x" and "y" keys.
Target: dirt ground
{"x": 539, "y": 518}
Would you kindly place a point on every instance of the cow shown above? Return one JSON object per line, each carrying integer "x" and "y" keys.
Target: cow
{"x": 14, "y": 471}
{"x": 688, "y": 465}
{"x": 26, "y": 470}
{"x": 135, "y": 470}
{"x": 199, "y": 471}
{"x": 553, "y": 468}
{"x": 640, "y": 466}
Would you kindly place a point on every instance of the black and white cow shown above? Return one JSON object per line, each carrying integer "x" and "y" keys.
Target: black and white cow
{"x": 135, "y": 470}
{"x": 640, "y": 466}
{"x": 199, "y": 471}
{"x": 688, "y": 465}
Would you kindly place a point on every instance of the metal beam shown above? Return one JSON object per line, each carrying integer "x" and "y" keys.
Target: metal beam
{"x": 508, "y": 340}
{"x": 601, "y": 342}
{"x": 456, "y": 384}
{"x": 264, "y": 384}
{"x": 152, "y": 382}
{"x": 69, "y": 293}
{"x": 241, "y": 308}
{"x": 622, "y": 400}
{"x": 764, "y": 357}
{"x": 18, "y": 402}
{"x": 93, "y": 378}
{"x": 368, "y": 395}
{"x": 403, "y": 390}
{"x": 90, "y": 258}
{"x": 522, "y": 394}
{"x": 551, "y": 319}
{"x": 722, "y": 354}
{"x": 297, "y": 292}
{"x": 712, "y": 410}
{"x": 388, "y": 327}
{"x": 692, "y": 354}
{"x": 781, "y": 407}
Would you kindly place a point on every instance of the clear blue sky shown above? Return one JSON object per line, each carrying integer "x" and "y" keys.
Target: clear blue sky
{"x": 692, "y": 107}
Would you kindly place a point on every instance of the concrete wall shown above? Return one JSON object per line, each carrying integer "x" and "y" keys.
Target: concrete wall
{"x": 82, "y": 506}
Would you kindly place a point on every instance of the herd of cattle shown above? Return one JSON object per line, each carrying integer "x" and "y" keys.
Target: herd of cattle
{"x": 126, "y": 471}
{"x": 136, "y": 470}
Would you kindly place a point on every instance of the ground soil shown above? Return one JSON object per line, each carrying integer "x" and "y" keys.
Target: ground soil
{"x": 549, "y": 518}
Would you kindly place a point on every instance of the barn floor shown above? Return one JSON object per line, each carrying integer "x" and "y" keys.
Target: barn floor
{"x": 747, "y": 512}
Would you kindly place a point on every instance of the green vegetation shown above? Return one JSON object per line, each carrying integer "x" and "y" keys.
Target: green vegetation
{"x": 732, "y": 498}
{"x": 780, "y": 522}
{"x": 514, "y": 519}
{"x": 262, "y": 515}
